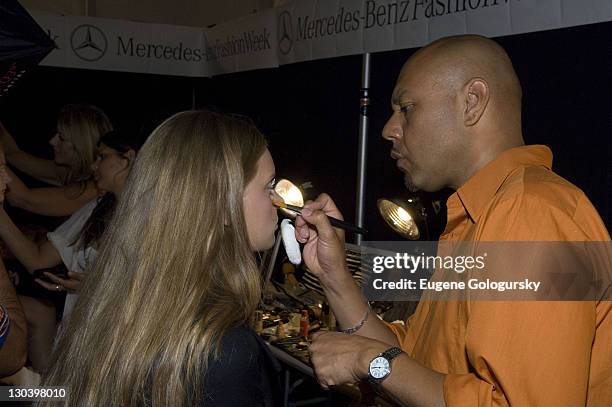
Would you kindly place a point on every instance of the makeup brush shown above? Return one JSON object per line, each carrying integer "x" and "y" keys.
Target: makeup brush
{"x": 335, "y": 222}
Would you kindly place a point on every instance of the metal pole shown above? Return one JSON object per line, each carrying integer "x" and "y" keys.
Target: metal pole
{"x": 273, "y": 257}
{"x": 364, "y": 102}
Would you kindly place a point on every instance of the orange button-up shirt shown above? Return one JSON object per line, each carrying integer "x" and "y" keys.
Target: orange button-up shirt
{"x": 517, "y": 353}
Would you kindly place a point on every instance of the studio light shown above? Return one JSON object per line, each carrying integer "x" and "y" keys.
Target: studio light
{"x": 404, "y": 216}
{"x": 291, "y": 194}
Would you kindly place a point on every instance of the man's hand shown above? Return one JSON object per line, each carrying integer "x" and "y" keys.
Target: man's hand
{"x": 340, "y": 358}
{"x": 323, "y": 252}
{"x": 72, "y": 284}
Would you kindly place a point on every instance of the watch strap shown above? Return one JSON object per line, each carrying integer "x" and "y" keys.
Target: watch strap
{"x": 391, "y": 353}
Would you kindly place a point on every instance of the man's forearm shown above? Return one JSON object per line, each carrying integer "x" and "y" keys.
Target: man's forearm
{"x": 410, "y": 383}
{"x": 349, "y": 306}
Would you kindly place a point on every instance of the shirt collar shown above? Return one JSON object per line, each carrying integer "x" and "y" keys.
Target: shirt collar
{"x": 482, "y": 186}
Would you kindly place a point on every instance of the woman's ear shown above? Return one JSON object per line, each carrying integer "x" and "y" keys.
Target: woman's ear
{"x": 130, "y": 155}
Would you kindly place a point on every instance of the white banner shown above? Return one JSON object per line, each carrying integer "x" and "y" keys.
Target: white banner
{"x": 301, "y": 30}
{"x": 116, "y": 45}
{"x": 242, "y": 45}
{"x": 316, "y": 29}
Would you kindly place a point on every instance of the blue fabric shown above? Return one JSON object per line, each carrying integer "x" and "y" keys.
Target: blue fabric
{"x": 5, "y": 326}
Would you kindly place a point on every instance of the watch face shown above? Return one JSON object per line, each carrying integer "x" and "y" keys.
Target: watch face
{"x": 379, "y": 368}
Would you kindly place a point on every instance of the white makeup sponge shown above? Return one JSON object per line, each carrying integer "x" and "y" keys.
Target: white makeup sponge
{"x": 292, "y": 247}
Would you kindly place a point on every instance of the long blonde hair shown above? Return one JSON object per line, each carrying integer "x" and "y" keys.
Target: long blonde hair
{"x": 82, "y": 125}
{"x": 174, "y": 272}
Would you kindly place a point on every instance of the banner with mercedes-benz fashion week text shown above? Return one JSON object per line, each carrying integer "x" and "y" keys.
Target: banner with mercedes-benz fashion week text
{"x": 300, "y": 30}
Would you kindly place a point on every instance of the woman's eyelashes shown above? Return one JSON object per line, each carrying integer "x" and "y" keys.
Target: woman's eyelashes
{"x": 271, "y": 185}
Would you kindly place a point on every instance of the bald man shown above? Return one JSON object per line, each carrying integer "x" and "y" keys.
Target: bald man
{"x": 456, "y": 123}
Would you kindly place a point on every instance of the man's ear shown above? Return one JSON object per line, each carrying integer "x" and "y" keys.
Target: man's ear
{"x": 476, "y": 100}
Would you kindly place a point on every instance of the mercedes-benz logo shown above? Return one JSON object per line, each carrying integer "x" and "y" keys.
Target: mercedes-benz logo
{"x": 285, "y": 32}
{"x": 88, "y": 42}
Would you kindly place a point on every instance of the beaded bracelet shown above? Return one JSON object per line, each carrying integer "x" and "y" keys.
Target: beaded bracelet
{"x": 357, "y": 327}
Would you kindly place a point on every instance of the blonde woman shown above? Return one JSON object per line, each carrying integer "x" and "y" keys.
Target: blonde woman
{"x": 163, "y": 318}
{"x": 79, "y": 128}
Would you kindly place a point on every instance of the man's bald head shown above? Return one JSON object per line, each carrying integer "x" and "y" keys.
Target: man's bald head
{"x": 454, "y": 61}
{"x": 457, "y": 105}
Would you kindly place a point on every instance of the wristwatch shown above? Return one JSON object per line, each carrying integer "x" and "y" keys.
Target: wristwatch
{"x": 380, "y": 366}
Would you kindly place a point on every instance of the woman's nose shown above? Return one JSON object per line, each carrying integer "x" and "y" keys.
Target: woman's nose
{"x": 53, "y": 140}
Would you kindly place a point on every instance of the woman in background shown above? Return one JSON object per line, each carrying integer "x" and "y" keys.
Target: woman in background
{"x": 163, "y": 318}
{"x": 79, "y": 128}
{"x": 74, "y": 243}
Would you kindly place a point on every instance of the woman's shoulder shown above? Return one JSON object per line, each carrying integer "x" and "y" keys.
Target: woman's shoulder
{"x": 243, "y": 373}
{"x": 240, "y": 348}
{"x": 240, "y": 334}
